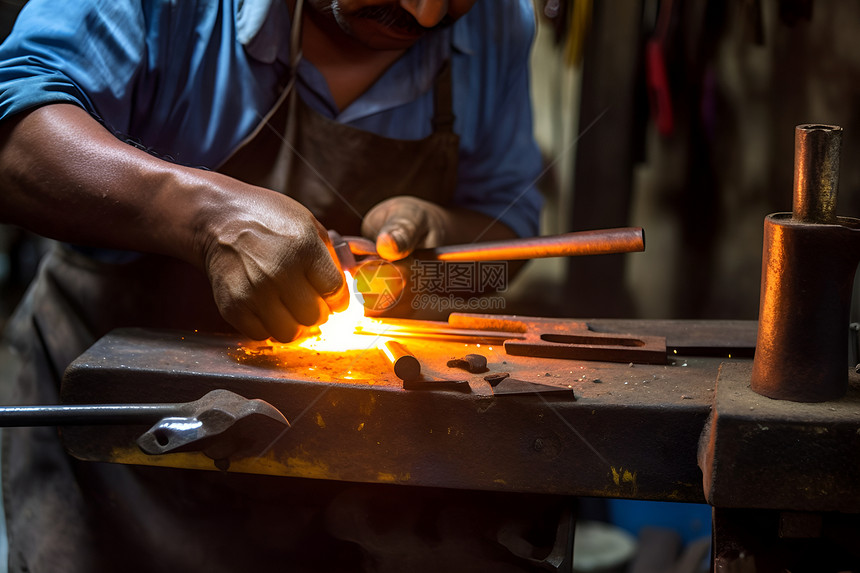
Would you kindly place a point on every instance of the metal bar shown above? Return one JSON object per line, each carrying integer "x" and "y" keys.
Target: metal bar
{"x": 596, "y": 242}
{"x": 816, "y": 172}
{"x": 76, "y": 415}
{"x": 446, "y": 334}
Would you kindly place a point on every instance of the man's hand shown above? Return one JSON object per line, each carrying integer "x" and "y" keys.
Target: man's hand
{"x": 272, "y": 266}
{"x": 401, "y": 224}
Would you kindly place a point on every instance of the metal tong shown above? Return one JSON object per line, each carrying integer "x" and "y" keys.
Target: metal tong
{"x": 578, "y": 243}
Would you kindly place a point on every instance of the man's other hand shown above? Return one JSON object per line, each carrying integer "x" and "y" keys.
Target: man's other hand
{"x": 401, "y": 224}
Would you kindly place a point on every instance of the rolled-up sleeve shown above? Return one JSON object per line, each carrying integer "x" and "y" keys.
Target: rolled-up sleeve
{"x": 84, "y": 53}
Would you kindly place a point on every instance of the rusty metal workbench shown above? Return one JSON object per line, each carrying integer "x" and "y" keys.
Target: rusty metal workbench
{"x": 632, "y": 431}
{"x": 780, "y": 475}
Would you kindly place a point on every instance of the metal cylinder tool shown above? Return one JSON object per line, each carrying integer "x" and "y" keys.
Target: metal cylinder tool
{"x": 405, "y": 365}
{"x": 809, "y": 260}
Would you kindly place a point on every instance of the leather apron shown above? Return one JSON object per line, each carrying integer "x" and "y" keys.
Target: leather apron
{"x": 67, "y": 515}
{"x": 339, "y": 172}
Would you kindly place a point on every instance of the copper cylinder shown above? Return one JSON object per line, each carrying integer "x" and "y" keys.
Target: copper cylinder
{"x": 816, "y": 172}
{"x": 809, "y": 260}
{"x": 807, "y": 276}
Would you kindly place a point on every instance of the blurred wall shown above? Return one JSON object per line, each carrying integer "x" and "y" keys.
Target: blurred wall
{"x": 740, "y": 76}
{"x": 746, "y": 74}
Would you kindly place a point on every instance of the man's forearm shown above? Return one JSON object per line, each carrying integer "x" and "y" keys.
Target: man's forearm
{"x": 66, "y": 177}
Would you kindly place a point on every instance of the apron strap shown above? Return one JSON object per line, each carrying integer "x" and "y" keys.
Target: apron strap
{"x": 295, "y": 45}
{"x": 443, "y": 112}
{"x": 296, "y": 39}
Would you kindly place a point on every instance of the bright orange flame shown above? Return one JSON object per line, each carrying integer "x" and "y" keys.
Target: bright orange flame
{"x": 338, "y": 333}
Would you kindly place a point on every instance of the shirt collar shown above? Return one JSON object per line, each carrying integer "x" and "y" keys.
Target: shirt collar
{"x": 262, "y": 27}
{"x": 460, "y": 39}
{"x": 413, "y": 75}
{"x": 410, "y": 77}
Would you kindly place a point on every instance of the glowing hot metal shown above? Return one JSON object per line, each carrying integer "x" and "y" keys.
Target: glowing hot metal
{"x": 338, "y": 333}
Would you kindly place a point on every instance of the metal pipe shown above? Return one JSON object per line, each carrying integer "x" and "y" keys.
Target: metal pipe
{"x": 596, "y": 242}
{"x": 86, "y": 415}
{"x": 406, "y": 366}
{"x": 816, "y": 172}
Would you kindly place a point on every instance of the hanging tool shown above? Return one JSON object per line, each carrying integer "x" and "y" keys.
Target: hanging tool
{"x": 656, "y": 70}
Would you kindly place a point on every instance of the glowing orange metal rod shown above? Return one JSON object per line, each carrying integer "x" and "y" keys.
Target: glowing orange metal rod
{"x": 597, "y": 242}
{"x": 578, "y": 243}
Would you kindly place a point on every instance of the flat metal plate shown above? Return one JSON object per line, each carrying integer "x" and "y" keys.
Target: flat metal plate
{"x": 632, "y": 431}
{"x": 592, "y": 346}
{"x": 728, "y": 338}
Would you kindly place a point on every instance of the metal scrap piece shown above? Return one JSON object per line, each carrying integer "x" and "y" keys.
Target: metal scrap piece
{"x": 424, "y": 383}
{"x": 512, "y": 387}
{"x": 496, "y": 377}
{"x": 474, "y": 363}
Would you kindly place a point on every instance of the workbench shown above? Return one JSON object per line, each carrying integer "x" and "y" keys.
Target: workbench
{"x": 689, "y": 430}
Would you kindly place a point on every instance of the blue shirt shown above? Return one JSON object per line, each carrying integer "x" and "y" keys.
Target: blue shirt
{"x": 190, "y": 79}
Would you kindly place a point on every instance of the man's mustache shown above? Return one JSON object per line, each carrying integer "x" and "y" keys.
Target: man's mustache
{"x": 395, "y": 17}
